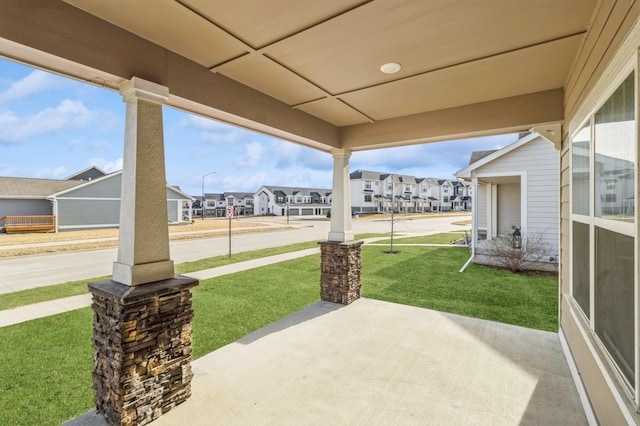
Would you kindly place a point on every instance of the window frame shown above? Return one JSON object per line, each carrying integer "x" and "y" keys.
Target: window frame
{"x": 624, "y": 228}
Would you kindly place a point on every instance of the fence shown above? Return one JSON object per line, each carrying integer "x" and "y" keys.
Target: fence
{"x": 39, "y": 223}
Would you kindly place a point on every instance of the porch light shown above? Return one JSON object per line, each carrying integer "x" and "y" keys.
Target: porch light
{"x": 390, "y": 68}
{"x": 516, "y": 239}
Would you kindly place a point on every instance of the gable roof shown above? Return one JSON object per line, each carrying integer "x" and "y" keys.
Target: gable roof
{"x": 89, "y": 173}
{"x": 365, "y": 174}
{"x": 13, "y": 187}
{"x": 82, "y": 184}
{"x": 479, "y": 155}
{"x": 466, "y": 172}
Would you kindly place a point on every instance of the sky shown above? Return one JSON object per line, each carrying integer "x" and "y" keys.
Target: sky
{"x": 52, "y": 127}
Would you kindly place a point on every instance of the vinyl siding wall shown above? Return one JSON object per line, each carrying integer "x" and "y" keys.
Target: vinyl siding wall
{"x": 594, "y": 68}
{"x": 88, "y": 213}
{"x": 25, "y": 207}
{"x": 541, "y": 163}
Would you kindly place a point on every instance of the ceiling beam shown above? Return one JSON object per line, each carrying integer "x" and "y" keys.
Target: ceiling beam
{"x": 508, "y": 115}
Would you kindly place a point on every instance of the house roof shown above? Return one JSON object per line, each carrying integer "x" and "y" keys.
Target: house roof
{"x": 290, "y": 190}
{"x": 89, "y": 173}
{"x": 82, "y": 184}
{"x": 13, "y": 187}
{"x": 238, "y": 194}
{"x": 365, "y": 174}
{"x": 466, "y": 172}
{"x": 478, "y": 155}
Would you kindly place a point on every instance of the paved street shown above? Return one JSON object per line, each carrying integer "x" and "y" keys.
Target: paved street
{"x": 24, "y": 272}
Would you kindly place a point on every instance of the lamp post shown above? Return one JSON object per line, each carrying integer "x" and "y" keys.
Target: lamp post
{"x": 202, "y": 204}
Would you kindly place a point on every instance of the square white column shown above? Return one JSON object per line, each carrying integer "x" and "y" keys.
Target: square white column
{"x": 341, "y": 226}
{"x": 143, "y": 249}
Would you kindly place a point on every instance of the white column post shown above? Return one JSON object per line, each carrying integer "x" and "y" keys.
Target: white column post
{"x": 143, "y": 248}
{"x": 341, "y": 227}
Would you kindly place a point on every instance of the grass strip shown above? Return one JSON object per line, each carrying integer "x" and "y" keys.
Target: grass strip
{"x": 74, "y": 288}
{"x": 443, "y": 238}
{"x": 46, "y": 293}
{"x": 45, "y": 367}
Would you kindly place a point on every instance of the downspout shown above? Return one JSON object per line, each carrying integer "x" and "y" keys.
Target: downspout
{"x": 474, "y": 223}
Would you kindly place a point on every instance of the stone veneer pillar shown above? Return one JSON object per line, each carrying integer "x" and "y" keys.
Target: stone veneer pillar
{"x": 142, "y": 317}
{"x": 340, "y": 256}
{"x": 141, "y": 348}
{"x": 340, "y": 271}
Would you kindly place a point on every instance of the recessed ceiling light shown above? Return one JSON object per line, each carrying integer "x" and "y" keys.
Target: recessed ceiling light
{"x": 390, "y": 68}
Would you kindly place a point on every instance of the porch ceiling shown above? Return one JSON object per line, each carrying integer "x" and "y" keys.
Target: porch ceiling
{"x": 309, "y": 71}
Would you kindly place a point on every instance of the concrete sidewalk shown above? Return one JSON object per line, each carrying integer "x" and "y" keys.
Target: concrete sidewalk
{"x": 58, "y": 306}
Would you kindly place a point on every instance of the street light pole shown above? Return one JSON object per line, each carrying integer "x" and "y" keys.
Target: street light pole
{"x": 202, "y": 203}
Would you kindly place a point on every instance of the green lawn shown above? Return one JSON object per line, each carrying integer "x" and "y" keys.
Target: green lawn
{"x": 443, "y": 238}
{"x": 45, "y": 364}
{"x": 74, "y": 288}
{"x": 428, "y": 277}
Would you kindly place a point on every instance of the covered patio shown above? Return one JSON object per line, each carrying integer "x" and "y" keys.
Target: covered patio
{"x": 393, "y": 364}
{"x": 343, "y": 76}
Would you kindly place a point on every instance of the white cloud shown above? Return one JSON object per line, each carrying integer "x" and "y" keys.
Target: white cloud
{"x": 254, "y": 155}
{"x": 68, "y": 114}
{"x": 51, "y": 173}
{"x": 213, "y": 131}
{"x": 8, "y": 170}
{"x": 290, "y": 154}
{"x": 108, "y": 166}
{"x": 36, "y": 82}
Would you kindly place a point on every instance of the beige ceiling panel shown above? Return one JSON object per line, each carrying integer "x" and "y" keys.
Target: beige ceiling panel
{"x": 270, "y": 78}
{"x": 334, "y": 112}
{"x": 345, "y": 53}
{"x": 260, "y": 22}
{"x": 169, "y": 24}
{"x": 531, "y": 70}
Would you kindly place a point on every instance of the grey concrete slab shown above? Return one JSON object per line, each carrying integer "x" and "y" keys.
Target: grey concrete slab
{"x": 378, "y": 363}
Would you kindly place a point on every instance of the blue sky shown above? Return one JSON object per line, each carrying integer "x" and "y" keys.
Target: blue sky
{"x": 52, "y": 127}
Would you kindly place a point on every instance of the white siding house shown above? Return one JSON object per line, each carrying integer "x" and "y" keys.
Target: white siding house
{"x": 516, "y": 187}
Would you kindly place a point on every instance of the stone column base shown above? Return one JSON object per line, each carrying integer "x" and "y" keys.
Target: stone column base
{"x": 141, "y": 348}
{"x": 340, "y": 266}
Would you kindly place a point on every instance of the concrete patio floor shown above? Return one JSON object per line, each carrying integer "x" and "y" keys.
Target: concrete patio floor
{"x": 374, "y": 362}
{"x": 379, "y": 363}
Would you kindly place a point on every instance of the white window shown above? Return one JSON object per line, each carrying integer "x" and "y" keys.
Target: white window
{"x": 603, "y": 172}
{"x": 367, "y": 184}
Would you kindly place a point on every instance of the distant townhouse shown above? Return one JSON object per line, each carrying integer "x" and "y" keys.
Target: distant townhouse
{"x": 216, "y": 204}
{"x": 375, "y": 192}
{"x": 87, "y": 199}
{"x": 277, "y": 200}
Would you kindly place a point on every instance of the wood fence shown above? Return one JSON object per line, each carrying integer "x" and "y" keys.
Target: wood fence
{"x": 40, "y": 223}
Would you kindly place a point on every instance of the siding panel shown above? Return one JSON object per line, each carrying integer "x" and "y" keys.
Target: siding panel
{"x": 88, "y": 213}
{"x": 25, "y": 207}
{"x": 541, "y": 162}
{"x": 108, "y": 187}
